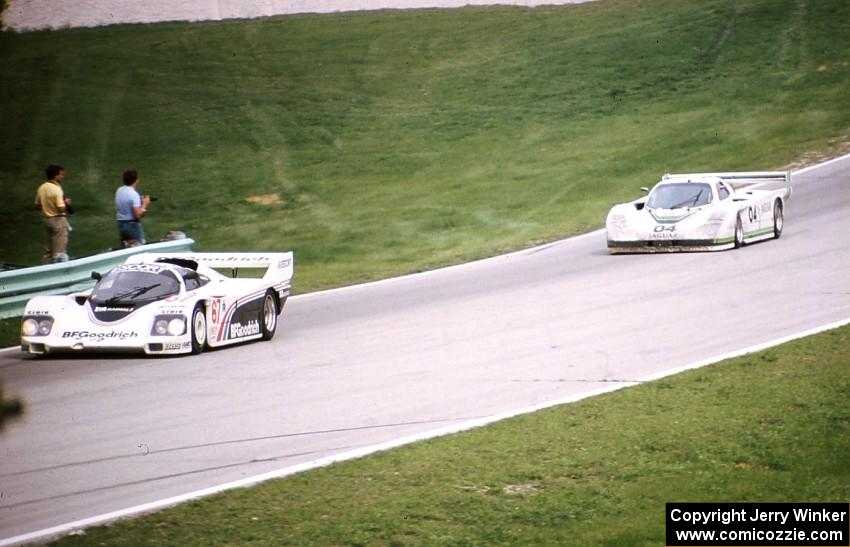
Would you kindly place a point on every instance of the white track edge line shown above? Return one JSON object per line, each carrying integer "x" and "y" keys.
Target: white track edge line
{"x": 396, "y": 443}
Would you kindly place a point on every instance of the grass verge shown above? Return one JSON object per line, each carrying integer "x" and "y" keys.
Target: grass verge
{"x": 770, "y": 426}
{"x": 10, "y": 332}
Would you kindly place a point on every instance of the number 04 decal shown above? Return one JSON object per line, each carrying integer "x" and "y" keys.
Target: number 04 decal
{"x": 753, "y": 213}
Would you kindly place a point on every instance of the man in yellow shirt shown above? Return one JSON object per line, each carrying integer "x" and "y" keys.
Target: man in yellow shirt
{"x": 51, "y": 200}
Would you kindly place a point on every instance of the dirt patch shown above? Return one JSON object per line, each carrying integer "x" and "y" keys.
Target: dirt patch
{"x": 835, "y": 149}
{"x": 265, "y": 199}
{"x": 521, "y": 489}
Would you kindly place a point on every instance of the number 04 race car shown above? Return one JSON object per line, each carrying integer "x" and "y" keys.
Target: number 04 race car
{"x": 701, "y": 212}
{"x": 164, "y": 304}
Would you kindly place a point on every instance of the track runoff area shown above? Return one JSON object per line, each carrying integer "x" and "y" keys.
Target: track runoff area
{"x": 687, "y": 524}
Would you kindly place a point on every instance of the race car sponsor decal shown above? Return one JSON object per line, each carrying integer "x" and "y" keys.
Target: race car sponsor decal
{"x": 99, "y": 336}
{"x": 241, "y": 312}
{"x": 140, "y": 267}
{"x": 172, "y": 310}
{"x": 175, "y": 346}
{"x": 101, "y": 314}
{"x": 228, "y": 259}
{"x": 663, "y": 232}
{"x": 238, "y": 330}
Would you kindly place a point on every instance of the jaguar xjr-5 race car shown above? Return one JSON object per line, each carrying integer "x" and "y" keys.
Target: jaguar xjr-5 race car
{"x": 701, "y": 212}
{"x": 164, "y": 304}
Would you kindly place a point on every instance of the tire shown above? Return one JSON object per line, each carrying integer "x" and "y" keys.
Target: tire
{"x": 199, "y": 329}
{"x": 739, "y": 232}
{"x": 778, "y": 219}
{"x": 268, "y": 315}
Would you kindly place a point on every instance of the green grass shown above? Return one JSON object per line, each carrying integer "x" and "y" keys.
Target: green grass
{"x": 10, "y": 332}
{"x": 767, "y": 427}
{"x": 398, "y": 141}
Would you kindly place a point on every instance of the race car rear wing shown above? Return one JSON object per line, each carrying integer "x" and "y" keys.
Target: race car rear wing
{"x": 276, "y": 265}
{"x": 751, "y": 180}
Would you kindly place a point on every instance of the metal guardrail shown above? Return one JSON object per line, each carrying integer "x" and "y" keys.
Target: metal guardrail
{"x": 19, "y": 285}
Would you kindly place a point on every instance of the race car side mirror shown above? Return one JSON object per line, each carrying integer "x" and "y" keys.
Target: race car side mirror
{"x": 96, "y": 276}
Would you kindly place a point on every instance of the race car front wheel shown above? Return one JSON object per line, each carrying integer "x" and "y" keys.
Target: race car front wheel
{"x": 268, "y": 315}
{"x": 739, "y": 232}
{"x": 199, "y": 329}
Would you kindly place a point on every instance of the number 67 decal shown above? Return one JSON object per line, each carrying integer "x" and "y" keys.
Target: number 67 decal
{"x": 216, "y": 310}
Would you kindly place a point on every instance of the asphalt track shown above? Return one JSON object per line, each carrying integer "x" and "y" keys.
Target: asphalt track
{"x": 401, "y": 359}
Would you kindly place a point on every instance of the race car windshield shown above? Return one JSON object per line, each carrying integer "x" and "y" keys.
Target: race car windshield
{"x": 132, "y": 287}
{"x": 677, "y": 196}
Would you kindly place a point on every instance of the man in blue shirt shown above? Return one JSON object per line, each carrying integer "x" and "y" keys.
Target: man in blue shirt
{"x": 130, "y": 207}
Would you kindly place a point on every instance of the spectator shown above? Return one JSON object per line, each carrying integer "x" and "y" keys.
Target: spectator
{"x": 130, "y": 207}
{"x": 54, "y": 206}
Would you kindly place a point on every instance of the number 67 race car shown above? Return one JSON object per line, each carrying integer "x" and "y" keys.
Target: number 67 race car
{"x": 164, "y": 304}
{"x": 701, "y": 212}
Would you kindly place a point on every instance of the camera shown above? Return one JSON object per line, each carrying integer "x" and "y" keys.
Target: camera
{"x": 153, "y": 198}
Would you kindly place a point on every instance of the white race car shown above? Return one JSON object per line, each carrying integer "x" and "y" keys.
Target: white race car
{"x": 164, "y": 304}
{"x": 701, "y": 212}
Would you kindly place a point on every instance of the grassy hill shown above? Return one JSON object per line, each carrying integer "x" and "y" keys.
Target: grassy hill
{"x": 381, "y": 143}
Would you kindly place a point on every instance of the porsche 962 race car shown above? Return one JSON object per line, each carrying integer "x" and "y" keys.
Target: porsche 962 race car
{"x": 164, "y": 304}
{"x": 701, "y": 212}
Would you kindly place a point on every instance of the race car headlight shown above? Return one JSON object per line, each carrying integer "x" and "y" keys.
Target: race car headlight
{"x": 160, "y": 327}
{"x": 176, "y": 326}
{"x": 169, "y": 325}
{"x": 29, "y": 327}
{"x": 44, "y": 326}
{"x": 36, "y": 326}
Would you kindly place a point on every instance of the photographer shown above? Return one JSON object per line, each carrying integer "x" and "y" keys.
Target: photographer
{"x": 130, "y": 207}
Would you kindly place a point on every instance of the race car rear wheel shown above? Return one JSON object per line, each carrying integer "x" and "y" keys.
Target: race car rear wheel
{"x": 199, "y": 329}
{"x": 778, "y": 219}
{"x": 739, "y": 232}
{"x": 268, "y": 315}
